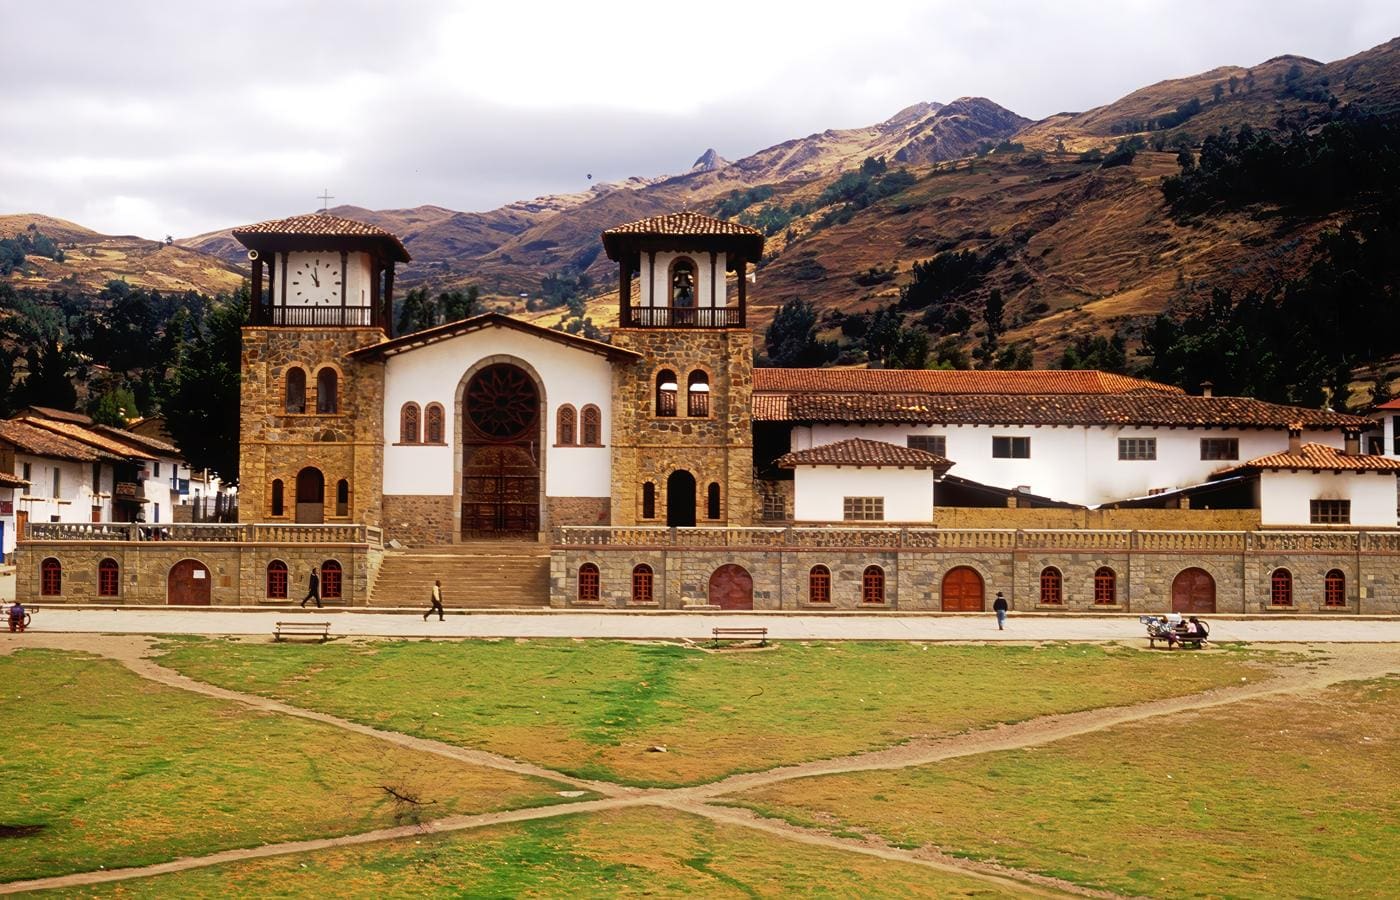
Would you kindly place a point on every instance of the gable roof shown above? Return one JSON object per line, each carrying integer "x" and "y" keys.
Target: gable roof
{"x": 489, "y": 320}
{"x": 103, "y": 444}
{"x": 34, "y": 441}
{"x": 12, "y": 481}
{"x": 139, "y": 442}
{"x": 952, "y": 381}
{"x": 58, "y": 415}
{"x": 320, "y": 225}
{"x": 863, "y": 452}
{"x": 692, "y": 230}
{"x": 1318, "y": 458}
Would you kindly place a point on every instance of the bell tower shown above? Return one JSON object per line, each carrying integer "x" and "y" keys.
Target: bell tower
{"x": 311, "y": 436}
{"x": 682, "y": 426}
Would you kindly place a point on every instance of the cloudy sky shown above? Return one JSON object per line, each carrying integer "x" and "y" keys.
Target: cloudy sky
{"x": 160, "y": 118}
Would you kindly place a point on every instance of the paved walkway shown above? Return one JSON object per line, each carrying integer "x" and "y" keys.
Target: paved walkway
{"x": 697, "y": 626}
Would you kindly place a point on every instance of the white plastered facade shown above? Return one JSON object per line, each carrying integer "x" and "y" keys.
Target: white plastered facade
{"x": 819, "y": 492}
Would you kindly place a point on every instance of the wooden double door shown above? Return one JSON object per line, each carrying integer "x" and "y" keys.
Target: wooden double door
{"x": 963, "y": 590}
{"x": 731, "y": 587}
{"x": 1193, "y": 592}
{"x": 500, "y": 492}
{"x": 189, "y": 584}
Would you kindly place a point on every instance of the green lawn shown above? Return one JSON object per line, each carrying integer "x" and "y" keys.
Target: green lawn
{"x": 652, "y": 852}
{"x": 1279, "y": 797}
{"x": 102, "y": 768}
{"x": 593, "y": 708}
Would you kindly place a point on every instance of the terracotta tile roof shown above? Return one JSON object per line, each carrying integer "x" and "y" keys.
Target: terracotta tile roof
{"x": 1390, "y": 404}
{"x": 12, "y": 481}
{"x": 941, "y": 381}
{"x": 320, "y": 225}
{"x": 488, "y": 320}
{"x": 863, "y": 452}
{"x": 142, "y": 443}
{"x": 683, "y": 231}
{"x": 1147, "y": 408}
{"x": 103, "y": 444}
{"x": 60, "y": 415}
{"x": 684, "y": 224}
{"x": 38, "y": 442}
{"x": 1319, "y": 457}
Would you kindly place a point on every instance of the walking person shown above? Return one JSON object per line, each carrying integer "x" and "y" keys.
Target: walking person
{"x": 1000, "y": 606}
{"x": 313, "y": 590}
{"x": 437, "y": 602}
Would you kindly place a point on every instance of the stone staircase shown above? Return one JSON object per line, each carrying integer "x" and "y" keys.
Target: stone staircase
{"x": 485, "y": 574}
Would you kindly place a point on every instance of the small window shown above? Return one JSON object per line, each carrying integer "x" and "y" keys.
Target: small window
{"x": 155, "y": 469}
{"x": 565, "y": 426}
{"x": 50, "y": 578}
{"x": 588, "y": 583}
{"x": 1011, "y": 448}
{"x": 57, "y": 483}
{"x": 330, "y": 580}
{"x": 819, "y": 585}
{"x": 277, "y": 498}
{"x": 1281, "y": 588}
{"x": 1220, "y": 448}
{"x": 863, "y": 509}
{"x": 1051, "y": 586}
{"x": 929, "y": 443}
{"x": 108, "y": 578}
{"x": 641, "y": 584}
{"x": 1137, "y": 448}
{"x": 1105, "y": 587}
{"x": 1329, "y": 512}
{"x": 433, "y": 425}
{"x": 296, "y": 390}
{"x": 774, "y": 507}
{"x": 26, "y": 471}
{"x": 697, "y": 394}
{"x": 97, "y": 478}
{"x": 592, "y": 430}
{"x": 277, "y": 580}
{"x": 408, "y": 424}
{"x": 712, "y": 501}
{"x": 1334, "y": 589}
{"x": 872, "y": 585}
{"x": 327, "y": 392}
{"x": 666, "y": 389}
{"x": 648, "y": 501}
{"x": 342, "y": 498}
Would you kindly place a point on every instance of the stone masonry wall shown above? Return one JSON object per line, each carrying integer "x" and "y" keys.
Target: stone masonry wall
{"x": 420, "y": 520}
{"x": 578, "y": 510}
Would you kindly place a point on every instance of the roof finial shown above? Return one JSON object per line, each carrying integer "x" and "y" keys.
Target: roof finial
{"x": 325, "y": 197}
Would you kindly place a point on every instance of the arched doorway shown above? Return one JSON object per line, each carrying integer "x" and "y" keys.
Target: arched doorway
{"x": 731, "y": 587}
{"x": 680, "y": 499}
{"x": 1193, "y": 592}
{"x": 311, "y": 496}
{"x": 500, "y": 454}
{"x": 188, "y": 584}
{"x": 963, "y": 591}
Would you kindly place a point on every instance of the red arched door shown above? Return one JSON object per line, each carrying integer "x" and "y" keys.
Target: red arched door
{"x": 500, "y": 454}
{"x": 188, "y": 584}
{"x": 1193, "y": 591}
{"x": 962, "y": 590}
{"x": 731, "y": 587}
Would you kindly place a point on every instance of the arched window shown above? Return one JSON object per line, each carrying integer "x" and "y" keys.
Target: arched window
{"x": 278, "y": 502}
{"x": 1334, "y": 588}
{"x": 296, "y": 390}
{"x": 1281, "y": 588}
{"x": 712, "y": 501}
{"x": 592, "y": 426}
{"x": 342, "y": 498}
{"x": 108, "y": 578}
{"x": 697, "y": 394}
{"x": 408, "y": 423}
{"x": 433, "y": 424}
{"x": 872, "y": 585}
{"x": 648, "y": 501}
{"x": 566, "y": 422}
{"x": 330, "y": 580}
{"x": 1105, "y": 587}
{"x": 50, "y": 578}
{"x": 641, "y": 584}
{"x": 666, "y": 389}
{"x": 277, "y": 580}
{"x": 683, "y": 283}
{"x": 819, "y": 585}
{"x": 1051, "y": 586}
{"x": 588, "y": 583}
{"x": 327, "y": 391}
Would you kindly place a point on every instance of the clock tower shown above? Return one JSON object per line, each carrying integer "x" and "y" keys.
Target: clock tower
{"x": 311, "y": 436}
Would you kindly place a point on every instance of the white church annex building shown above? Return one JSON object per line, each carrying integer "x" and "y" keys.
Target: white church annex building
{"x": 661, "y": 469}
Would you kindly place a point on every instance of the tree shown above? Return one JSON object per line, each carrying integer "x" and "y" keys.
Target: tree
{"x": 1217, "y": 91}
{"x": 791, "y": 337}
{"x": 115, "y": 407}
{"x": 200, "y": 400}
{"x": 50, "y": 382}
{"x": 1234, "y": 84}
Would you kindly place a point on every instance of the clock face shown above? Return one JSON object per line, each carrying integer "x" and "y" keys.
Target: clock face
{"x": 316, "y": 282}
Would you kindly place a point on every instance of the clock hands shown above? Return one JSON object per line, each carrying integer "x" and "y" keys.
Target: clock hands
{"x": 315, "y": 278}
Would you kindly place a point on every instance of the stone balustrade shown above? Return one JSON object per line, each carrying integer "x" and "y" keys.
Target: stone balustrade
{"x": 191, "y": 532}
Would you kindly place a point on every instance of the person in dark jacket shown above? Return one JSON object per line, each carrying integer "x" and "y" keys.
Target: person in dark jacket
{"x": 1000, "y": 606}
{"x": 313, "y": 590}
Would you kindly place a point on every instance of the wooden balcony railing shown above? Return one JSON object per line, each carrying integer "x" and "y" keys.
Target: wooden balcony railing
{"x": 319, "y": 316}
{"x": 682, "y": 317}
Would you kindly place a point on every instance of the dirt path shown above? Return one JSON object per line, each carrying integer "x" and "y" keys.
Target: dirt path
{"x": 1347, "y": 662}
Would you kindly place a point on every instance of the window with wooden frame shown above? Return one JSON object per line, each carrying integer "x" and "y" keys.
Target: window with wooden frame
{"x": 936, "y": 444}
{"x": 330, "y": 580}
{"x": 863, "y": 509}
{"x": 774, "y": 506}
{"x": 1281, "y": 588}
{"x": 1329, "y": 512}
{"x": 588, "y": 588}
{"x": 408, "y": 423}
{"x": 294, "y": 397}
{"x": 327, "y": 391}
{"x": 872, "y": 585}
{"x": 1220, "y": 448}
{"x": 108, "y": 578}
{"x": 1051, "y": 587}
{"x": 277, "y": 580}
{"x": 697, "y": 395}
{"x": 50, "y": 578}
{"x": 1137, "y": 448}
{"x": 819, "y": 585}
{"x": 641, "y": 583}
{"x": 1105, "y": 587}
{"x": 434, "y": 421}
{"x": 565, "y": 425}
{"x": 278, "y": 505}
{"x": 648, "y": 500}
{"x": 592, "y": 430}
{"x": 666, "y": 389}
{"x": 1006, "y": 447}
{"x": 1334, "y": 588}
{"x": 712, "y": 509}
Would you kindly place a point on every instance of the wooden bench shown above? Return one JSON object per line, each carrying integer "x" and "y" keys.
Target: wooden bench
{"x": 741, "y": 634}
{"x": 1198, "y": 640}
{"x": 321, "y": 629}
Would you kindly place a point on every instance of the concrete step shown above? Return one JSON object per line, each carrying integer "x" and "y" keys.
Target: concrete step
{"x": 473, "y": 576}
